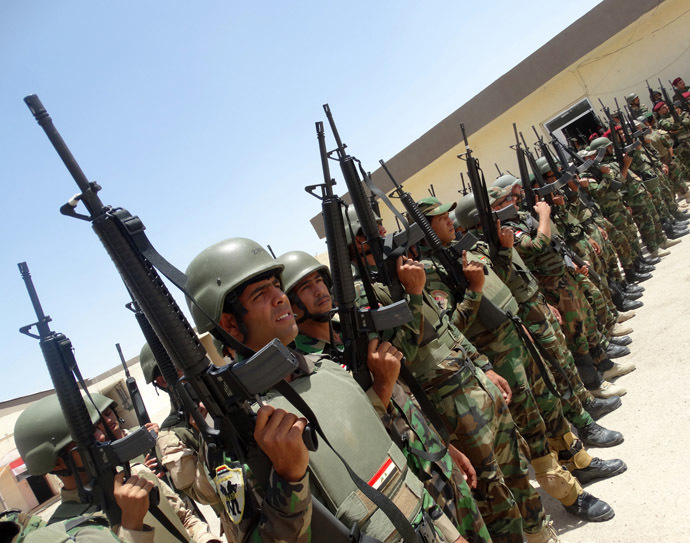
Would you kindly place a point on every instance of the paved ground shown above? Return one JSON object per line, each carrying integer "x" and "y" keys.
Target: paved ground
{"x": 649, "y": 498}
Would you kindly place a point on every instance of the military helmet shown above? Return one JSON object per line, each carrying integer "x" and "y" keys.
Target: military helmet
{"x": 466, "y": 212}
{"x": 630, "y": 97}
{"x": 543, "y": 165}
{"x": 505, "y": 180}
{"x": 349, "y": 213}
{"x": 41, "y": 431}
{"x": 598, "y": 143}
{"x": 221, "y": 268}
{"x": 298, "y": 265}
{"x": 148, "y": 364}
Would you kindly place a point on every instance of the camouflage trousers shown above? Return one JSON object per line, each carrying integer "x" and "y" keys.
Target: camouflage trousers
{"x": 478, "y": 418}
{"x": 545, "y": 329}
{"x": 623, "y": 235}
{"x": 608, "y": 251}
{"x": 609, "y": 312}
{"x": 677, "y": 176}
{"x": 647, "y": 219}
{"x": 605, "y": 314}
{"x": 579, "y": 325}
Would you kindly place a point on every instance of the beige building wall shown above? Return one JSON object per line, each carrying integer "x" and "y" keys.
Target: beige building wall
{"x": 657, "y": 45}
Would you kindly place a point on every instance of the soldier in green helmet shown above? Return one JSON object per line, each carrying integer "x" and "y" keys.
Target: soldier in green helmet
{"x": 307, "y": 283}
{"x": 43, "y": 440}
{"x": 633, "y": 101}
{"x": 237, "y": 282}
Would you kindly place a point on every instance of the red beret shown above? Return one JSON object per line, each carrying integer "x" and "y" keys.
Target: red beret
{"x": 659, "y": 105}
{"x": 677, "y": 80}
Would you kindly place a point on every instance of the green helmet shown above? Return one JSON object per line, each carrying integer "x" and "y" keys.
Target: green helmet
{"x": 630, "y": 97}
{"x": 350, "y": 213}
{"x": 297, "y": 265}
{"x": 543, "y": 165}
{"x": 148, "y": 364}
{"x": 505, "y": 180}
{"x": 598, "y": 143}
{"x": 466, "y": 212}
{"x": 218, "y": 270}
{"x": 41, "y": 431}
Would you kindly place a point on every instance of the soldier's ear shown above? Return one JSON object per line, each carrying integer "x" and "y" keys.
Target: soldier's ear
{"x": 232, "y": 326}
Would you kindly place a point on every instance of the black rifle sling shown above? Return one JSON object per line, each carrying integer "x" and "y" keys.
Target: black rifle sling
{"x": 397, "y": 518}
{"x": 536, "y": 351}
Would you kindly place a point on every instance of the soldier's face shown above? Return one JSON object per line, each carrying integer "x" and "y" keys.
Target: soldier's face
{"x": 444, "y": 228}
{"x": 636, "y": 101}
{"x": 681, "y": 84}
{"x": 268, "y": 315}
{"x": 313, "y": 292}
{"x": 663, "y": 110}
{"x": 113, "y": 424}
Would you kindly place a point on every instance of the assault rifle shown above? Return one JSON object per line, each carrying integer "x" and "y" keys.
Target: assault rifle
{"x": 565, "y": 176}
{"x": 139, "y": 407}
{"x": 530, "y": 199}
{"x": 100, "y": 460}
{"x": 226, "y": 391}
{"x": 651, "y": 93}
{"x": 481, "y": 196}
{"x": 669, "y": 104}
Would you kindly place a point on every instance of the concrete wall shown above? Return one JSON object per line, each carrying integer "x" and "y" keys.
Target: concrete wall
{"x": 654, "y": 46}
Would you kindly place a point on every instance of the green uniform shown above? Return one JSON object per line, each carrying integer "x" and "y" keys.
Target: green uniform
{"x": 477, "y": 418}
{"x": 408, "y": 427}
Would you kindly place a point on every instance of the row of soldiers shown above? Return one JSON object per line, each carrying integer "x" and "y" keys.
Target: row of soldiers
{"x": 481, "y": 382}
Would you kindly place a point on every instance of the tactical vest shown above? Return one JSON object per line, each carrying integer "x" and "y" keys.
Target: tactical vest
{"x": 521, "y": 282}
{"x": 360, "y": 437}
{"x": 546, "y": 263}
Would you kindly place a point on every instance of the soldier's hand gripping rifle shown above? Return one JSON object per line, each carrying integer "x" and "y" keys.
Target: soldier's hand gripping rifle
{"x": 134, "y": 393}
{"x": 481, "y": 197}
{"x": 100, "y": 460}
{"x": 226, "y": 392}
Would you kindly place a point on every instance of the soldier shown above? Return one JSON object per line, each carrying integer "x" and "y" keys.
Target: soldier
{"x": 636, "y": 108}
{"x": 307, "y": 282}
{"x": 181, "y": 449}
{"x": 237, "y": 283}
{"x": 679, "y": 87}
{"x": 44, "y": 442}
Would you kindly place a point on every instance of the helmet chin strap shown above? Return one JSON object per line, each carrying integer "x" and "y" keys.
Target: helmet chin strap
{"x": 307, "y": 316}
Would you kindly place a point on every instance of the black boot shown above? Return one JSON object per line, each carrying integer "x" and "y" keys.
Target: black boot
{"x": 651, "y": 260}
{"x": 630, "y": 288}
{"x": 594, "y": 435}
{"x": 674, "y": 233}
{"x": 600, "y": 469}
{"x": 589, "y": 508}
{"x": 629, "y": 305}
{"x": 599, "y": 407}
{"x": 641, "y": 267}
{"x": 622, "y": 340}
{"x": 632, "y": 295}
{"x": 616, "y": 351}
{"x": 631, "y": 276}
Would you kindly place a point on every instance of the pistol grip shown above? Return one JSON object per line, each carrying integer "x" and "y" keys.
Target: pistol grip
{"x": 310, "y": 438}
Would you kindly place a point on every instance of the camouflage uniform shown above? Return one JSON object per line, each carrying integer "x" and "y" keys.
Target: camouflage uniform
{"x": 476, "y": 416}
{"x": 662, "y": 143}
{"x": 408, "y": 427}
{"x": 680, "y": 132}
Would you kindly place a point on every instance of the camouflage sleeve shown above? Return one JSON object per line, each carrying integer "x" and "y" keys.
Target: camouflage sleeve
{"x": 408, "y": 336}
{"x": 533, "y": 246}
{"x": 466, "y": 311}
{"x": 285, "y": 512}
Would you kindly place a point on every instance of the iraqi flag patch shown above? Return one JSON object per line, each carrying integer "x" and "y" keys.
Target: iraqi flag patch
{"x": 230, "y": 487}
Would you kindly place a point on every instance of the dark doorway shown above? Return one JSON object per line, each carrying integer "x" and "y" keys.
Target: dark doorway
{"x": 582, "y": 128}
{"x": 40, "y": 487}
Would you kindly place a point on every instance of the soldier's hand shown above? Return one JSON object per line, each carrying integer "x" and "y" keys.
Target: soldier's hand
{"x": 584, "y": 182}
{"x": 383, "y": 361}
{"x": 474, "y": 273}
{"x": 543, "y": 209}
{"x": 132, "y": 496}
{"x": 464, "y": 465}
{"x": 595, "y": 246}
{"x": 505, "y": 235}
{"x": 604, "y": 169}
{"x": 279, "y": 434}
{"x": 664, "y": 168}
{"x": 502, "y": 385}
{"x": 556, "y": 314}
{"x": 627, "y": 160}
{"x": 411, "y": 274}
{"x": 584, "y": 270}
{"x": 151, "y": 462}
{"x": 604, "y": 233}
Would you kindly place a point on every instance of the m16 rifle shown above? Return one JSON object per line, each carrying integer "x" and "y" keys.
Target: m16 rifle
{"x": 100, "y": 460}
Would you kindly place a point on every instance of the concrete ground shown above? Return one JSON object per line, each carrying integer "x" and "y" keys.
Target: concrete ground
{"x": 650, "y": 498}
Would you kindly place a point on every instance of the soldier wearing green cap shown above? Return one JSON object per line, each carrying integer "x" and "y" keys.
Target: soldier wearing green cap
{"x": 536, "y": 412}
{"x": 307, "y": 283}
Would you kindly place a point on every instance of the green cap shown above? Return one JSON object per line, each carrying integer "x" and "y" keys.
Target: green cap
{"x": 432, "y": 206}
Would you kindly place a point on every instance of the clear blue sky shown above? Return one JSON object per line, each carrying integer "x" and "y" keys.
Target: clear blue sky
{"x": 199, "y": 118}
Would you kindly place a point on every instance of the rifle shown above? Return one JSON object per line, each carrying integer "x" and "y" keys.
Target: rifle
{"x": 669, "y": 104}
{"x": 481, "y": 196}
{"x": 566, "y": 174}
{"x": 225, "y": 391}
{"x": 500, "y": 173}
{"x": 139, "y": 407}
{"x": 651, "y": 93}
{"x": 464, "y": 191}
{"x": 100, "y": 460}
{"x": 530, "y": 199}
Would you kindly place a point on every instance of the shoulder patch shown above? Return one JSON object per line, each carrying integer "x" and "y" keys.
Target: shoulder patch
{"x": 442, "y": 298}
{"x": 230, "y": 487}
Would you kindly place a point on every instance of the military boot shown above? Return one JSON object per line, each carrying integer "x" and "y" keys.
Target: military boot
{"x": 632, "y": 276}
{"x": 621, "y": 340}
{"x": 669, "y": 243}
{"x": 608, "y": 390}
{"x": 649, "y": 260}
{"x": 618, "y": 370}
{"x": 589, "y": 508}
{"x": 658, "y": 253}
{"x": 599, "y": 407}
{"x": 616, "y": 351}
{"x": 625, "y": 316}
{"x": 641, "y": 267}
{"x": 619, "y": 330}
{"x": 594, "y": 435}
